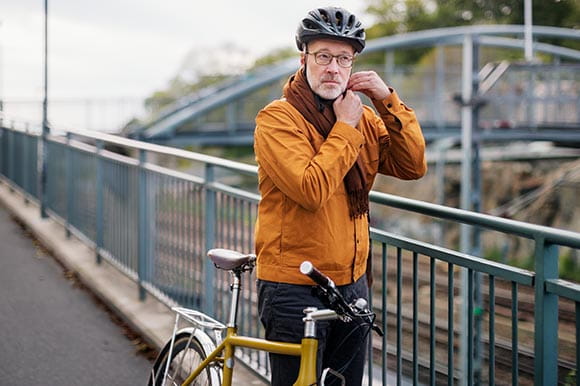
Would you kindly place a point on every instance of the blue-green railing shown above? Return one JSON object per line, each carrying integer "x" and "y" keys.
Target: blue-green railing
{"x": 155, "y": 223}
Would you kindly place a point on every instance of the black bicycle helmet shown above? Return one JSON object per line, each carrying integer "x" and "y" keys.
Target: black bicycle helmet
{"x": 331, "y": 23}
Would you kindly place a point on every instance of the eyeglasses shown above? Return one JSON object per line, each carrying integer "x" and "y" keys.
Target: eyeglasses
{"x": 324, "y": 59}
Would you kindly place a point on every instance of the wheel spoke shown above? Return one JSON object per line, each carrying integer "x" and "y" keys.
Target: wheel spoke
{"x": 187, "y": 355}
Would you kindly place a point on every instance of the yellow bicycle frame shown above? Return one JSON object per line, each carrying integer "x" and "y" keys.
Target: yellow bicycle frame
{"x": 307, "y": 350}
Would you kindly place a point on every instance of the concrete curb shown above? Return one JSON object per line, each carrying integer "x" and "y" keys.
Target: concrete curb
{"x": 152, "y": 319}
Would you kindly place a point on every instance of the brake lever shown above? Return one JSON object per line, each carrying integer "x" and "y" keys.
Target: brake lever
{"x": 334, "y": 301}
{"x": 327, "y": 292}
{"x": 364, "y": 312}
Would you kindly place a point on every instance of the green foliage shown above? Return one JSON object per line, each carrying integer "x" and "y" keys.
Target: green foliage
{"x": 274, "y": 56}
{"x": 239, "y": 153}
{"x": 158, "y": 100}
{"x": 526, "y": 262}
{"x": 412, "y": 15}
{"x": 494, "y": 254}
{"x": 569, "y": 268}
{"x": 399, "y": 16}
{"x": 178, "y": 88}
{"x": 570, "y": 378}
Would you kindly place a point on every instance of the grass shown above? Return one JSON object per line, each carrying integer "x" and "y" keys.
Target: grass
{"x": 569, "y": 268}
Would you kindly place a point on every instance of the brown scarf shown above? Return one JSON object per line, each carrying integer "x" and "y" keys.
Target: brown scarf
{"x": 298, "y": 93}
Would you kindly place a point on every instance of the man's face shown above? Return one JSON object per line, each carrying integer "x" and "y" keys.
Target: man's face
{"x": 327, "y": 81}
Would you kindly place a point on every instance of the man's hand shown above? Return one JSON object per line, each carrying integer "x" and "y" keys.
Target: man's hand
{"x": 348, "y": 108}
{"x": 370, "y": 84}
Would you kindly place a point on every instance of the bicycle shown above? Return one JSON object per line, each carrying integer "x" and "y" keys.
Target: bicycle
{"x": 191, "y": 356}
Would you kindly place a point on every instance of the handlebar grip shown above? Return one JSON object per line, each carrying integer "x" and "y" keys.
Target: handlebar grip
{"x": 318, "y": 277}
{"x": 336, "y": 301}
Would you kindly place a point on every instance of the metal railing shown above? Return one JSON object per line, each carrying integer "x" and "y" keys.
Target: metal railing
{"x": 155, "y": 223}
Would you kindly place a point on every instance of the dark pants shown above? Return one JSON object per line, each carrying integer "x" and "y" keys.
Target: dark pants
{"x": 341, "y": 346}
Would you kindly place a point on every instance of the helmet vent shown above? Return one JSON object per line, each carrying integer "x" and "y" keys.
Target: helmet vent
{"x": 309, "y": 24}
{"x": 339, "y": 20}
{"x": 331, "y": 23}
{"x": 324, "y": 16}
{"x": 350, "y": 23}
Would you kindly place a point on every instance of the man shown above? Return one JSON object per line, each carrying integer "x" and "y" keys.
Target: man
{"x": 319, "y": 150}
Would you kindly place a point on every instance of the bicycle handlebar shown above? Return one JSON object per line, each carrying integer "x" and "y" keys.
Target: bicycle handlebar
{"x": 331, "y": 293}
{"x": 335, "y": 298}
{"x": 318, "y": 277}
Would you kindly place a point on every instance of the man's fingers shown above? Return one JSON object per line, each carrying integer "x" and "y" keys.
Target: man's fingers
{"x": 369, "y": 83}
{"x": 360, "y": 77}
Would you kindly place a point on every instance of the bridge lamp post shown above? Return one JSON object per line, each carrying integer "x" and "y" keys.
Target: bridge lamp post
{"x": 528, "y": 50}
{"x": 470, "y": 349}
{"x": 1, "y": 70}
{"x": 45, "y": 128}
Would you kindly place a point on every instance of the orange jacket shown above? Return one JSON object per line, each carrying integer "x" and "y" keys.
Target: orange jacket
{"x": 303, "y": 213}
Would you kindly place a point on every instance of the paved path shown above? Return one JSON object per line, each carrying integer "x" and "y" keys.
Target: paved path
{"x": 40, "y": 309}
{"x": 51, "y": 331}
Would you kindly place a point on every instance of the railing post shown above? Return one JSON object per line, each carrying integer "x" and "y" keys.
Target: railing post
{"x": 11, "y": 157}
{"x": 44, "y": 172}
{"x": 69, "y": 185}
{"x": 210, "y": 227}
{"x": 99, "y": 187}
{"x": 23, "y": 164}
{"x": 2, "y": 147}
{"x": 545, "y": 315}
{"x": 26, "y": 164}
{"x": 142, "y": 220}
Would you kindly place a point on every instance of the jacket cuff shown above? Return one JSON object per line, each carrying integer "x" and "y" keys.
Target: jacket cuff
{"x": 346, "y": 131}
{"x": 391, "y": 105}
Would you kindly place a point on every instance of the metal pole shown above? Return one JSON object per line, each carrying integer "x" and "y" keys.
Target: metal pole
{"x": 476, "y": 207}
{"x": 3, "y": 137}
{"x": 439, "y": 87}
{"x": 528, "y": 30}
{"x": 100, "y": 205}
{"x": 11, "y": 158}
{"x": 210, "y": 228}
{"x": 143, "y": 236}
{"x": 476, "y": 250}
{"x": 1, "y": 69}
{"x": 441, "y": 146}
{"x": 231, "y": 117}
{"x": 466, "y": 191}
{"x": 545, "y": 315}
{"x": 45, "y": 128}
{"x": 69, "y": 186}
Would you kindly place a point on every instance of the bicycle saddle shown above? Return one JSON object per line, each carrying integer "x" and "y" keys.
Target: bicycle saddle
{"x": 228, "y": 259}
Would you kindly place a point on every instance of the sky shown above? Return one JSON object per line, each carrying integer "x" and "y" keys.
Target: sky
{"x": 130, "y": 48}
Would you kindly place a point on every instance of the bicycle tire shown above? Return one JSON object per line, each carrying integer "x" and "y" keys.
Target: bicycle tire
{"x": 188, "y": 352}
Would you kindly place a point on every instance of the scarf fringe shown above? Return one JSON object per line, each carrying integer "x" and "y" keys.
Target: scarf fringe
{"x": 358, "y": 203}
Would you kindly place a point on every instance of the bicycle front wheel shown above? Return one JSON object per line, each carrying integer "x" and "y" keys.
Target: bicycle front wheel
{"x": 187, "y": 354}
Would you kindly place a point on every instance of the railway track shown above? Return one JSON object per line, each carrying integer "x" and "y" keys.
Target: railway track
{"x": 503, "y": 352}
{"x": 504, "y": 361}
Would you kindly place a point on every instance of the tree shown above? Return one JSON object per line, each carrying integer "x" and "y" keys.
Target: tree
{"x": 413, "y": 15}
{"x": 399, "y": 16}
{"x": 274, "y": 56}
{"x": 201, "y": 67}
